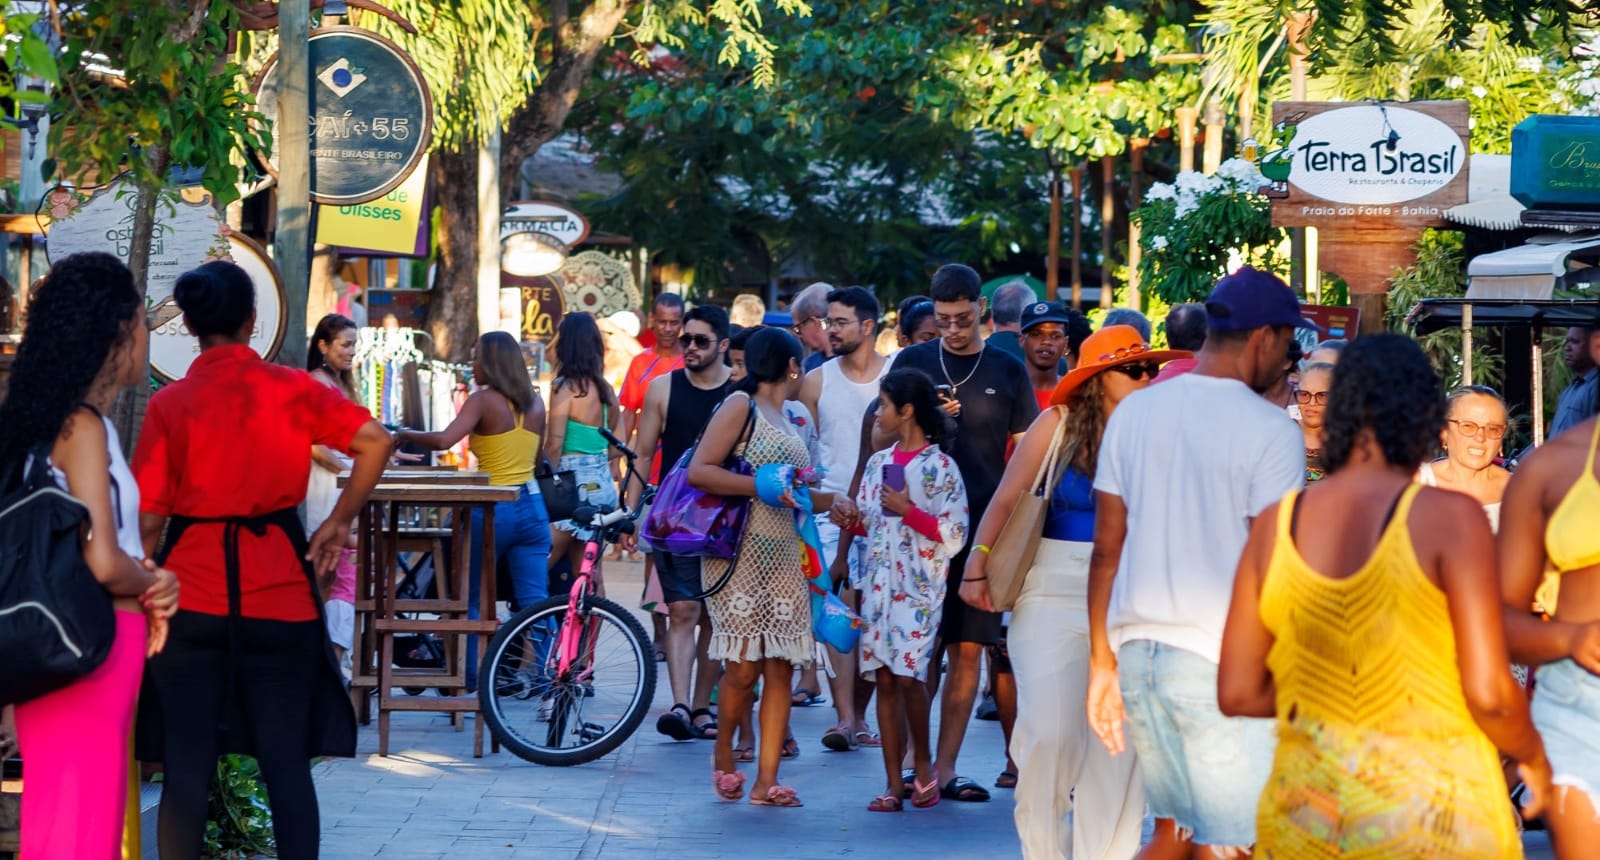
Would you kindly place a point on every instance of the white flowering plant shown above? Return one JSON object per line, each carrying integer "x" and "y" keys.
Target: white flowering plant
{"x": 1196, "y": 229}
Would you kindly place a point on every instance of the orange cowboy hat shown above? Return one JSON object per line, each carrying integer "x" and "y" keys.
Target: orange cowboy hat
{"x": 1109, "y": 347}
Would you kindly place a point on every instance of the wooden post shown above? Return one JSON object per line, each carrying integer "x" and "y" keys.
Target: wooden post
{"x": 1136, "y": 148}
{"x": 1213, "y": 148}
{"x": 1466, "y": 344}
{"x": 1187, "y": 118}
{"x": 1052, "y": 274}
{"x": 1299, "y": 73}
{"x": 1538, "y": 386}
{"x": 291, "y": 137}
{"x": 1077, "y": 236}
{"x": 489, "y": 227}
{"x": 1108, "y": 224}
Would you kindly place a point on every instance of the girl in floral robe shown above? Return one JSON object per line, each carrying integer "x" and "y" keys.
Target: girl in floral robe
{"x": 913, "y": 528}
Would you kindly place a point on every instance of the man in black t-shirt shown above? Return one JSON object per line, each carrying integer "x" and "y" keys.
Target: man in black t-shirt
{"x": 677, "y": 406}
{"x": 989, "y": 394}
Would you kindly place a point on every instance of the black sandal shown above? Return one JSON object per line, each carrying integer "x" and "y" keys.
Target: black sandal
{"x": 791, "y": 748}
{"x": 964, "y": 790}
{"x": 706, "y": 731}
{"x": 677, "y": 723}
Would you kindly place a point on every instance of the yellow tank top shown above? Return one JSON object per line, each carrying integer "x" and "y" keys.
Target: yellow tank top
{"x": 508, "y": 457}
{"x": 1377, "y": 753}
{"x": 1570, "y": 538}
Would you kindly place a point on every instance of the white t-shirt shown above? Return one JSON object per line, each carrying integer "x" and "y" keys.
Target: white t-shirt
{"x": 1194, "y": 459}
{"x": 840, "y": 408}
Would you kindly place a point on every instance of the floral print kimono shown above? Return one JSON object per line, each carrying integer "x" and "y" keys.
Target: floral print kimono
{"x": 903, "y": 577}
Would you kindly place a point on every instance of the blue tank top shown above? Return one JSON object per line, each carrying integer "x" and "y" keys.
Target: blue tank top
{"x": 1071, "y": 515}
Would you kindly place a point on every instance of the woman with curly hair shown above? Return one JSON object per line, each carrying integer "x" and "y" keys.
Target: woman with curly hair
{"x": 1366, "y": 618}
{"x": 581, "y": 402}
{"x": 1065, "y": 771}
{"x": 223, "y": 463}
{"x": 86, "y": 341}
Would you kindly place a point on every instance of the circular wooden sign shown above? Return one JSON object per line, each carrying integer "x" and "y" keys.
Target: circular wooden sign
{"x": 371, "y": 115}
{"x": 173, "y": 347}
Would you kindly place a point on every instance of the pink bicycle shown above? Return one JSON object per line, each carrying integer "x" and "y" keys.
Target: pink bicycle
{"x": 570, "y": 678}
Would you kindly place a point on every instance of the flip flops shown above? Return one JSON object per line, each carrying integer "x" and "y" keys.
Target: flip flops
{"x": 868, "y": 739}
{"x": 964, "y": 790}
{"x": 778, "y": 795}
{"x": 886, "y": 803}
{"x": 1007, "y": 779}
{"x": 791, "y": 748}
{"x": 925, "y": 796}
{"x": 838, "y": 740}
{"x": 728, "y": 786}
{"x": 804, "y": 698}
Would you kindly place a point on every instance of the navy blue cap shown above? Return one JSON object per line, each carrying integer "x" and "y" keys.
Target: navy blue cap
{"x": 1251, "y": 298}
{"x": 1045, "y": 312}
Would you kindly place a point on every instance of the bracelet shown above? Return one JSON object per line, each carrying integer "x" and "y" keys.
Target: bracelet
{"x": 983, "y": 548}
{"x": 975, "y": 579}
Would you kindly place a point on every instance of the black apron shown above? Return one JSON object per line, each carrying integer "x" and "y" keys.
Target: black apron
{"x": 333, "y": 718}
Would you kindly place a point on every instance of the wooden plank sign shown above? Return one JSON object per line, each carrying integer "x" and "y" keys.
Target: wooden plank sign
{"x": 371, "y": 115}
{"x": 1388, "y": 164}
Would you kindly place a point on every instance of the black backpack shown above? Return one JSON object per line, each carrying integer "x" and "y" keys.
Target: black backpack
{"x": 56, "y": 621}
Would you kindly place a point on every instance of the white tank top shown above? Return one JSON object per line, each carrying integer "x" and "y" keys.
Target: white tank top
{"x": 840, "y": 407}
{"x": 124, "y": 494}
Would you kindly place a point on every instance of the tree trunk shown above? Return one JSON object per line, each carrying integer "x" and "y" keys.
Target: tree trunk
{"x": 453, "y": 309}
{"x": 129, "y": 412}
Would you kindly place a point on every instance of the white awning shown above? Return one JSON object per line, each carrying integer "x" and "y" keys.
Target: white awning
{"x": 1489, "y": 202}
{"x": 1534, "y": 270}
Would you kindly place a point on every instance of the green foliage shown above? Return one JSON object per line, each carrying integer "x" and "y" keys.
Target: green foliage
{"x": 24, "y": 52}
{"x": 742, "y": 39}
{"x": 1440, "y": 272}
{"x": 478, "y": 56}
{"x": 178, "y": 92}
{"x": 239, "y": 821}
{"x": 1196, "y": 230}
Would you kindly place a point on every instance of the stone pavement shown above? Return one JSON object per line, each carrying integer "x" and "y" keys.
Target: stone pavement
{"x": 651, "y": 798}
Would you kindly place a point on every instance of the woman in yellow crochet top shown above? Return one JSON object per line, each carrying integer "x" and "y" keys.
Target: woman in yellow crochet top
{"x": 1366, "y": 618}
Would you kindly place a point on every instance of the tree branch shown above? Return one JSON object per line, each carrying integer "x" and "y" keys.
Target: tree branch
{"x": 578, "y": 43}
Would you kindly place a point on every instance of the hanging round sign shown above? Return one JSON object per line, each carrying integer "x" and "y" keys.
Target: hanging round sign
{"x": 187, "y": 233}
{"x": 371, "y": 115}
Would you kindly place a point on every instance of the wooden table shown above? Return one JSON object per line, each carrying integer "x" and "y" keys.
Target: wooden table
{"x": 379, "y": 610}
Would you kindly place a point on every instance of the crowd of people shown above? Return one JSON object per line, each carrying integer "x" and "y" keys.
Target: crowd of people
{"x": 1264, "y": 601}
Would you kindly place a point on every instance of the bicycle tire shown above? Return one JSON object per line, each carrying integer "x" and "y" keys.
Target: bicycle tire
{"x": 504, "y": 657}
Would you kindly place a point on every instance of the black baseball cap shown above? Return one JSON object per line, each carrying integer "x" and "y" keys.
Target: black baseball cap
{"x": 1044, "y": 312}
{"x": 1250, "y": 299}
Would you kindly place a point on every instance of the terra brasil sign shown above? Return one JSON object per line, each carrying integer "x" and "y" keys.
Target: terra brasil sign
{"x": 1398, "y": 163}
{"x": 371, "y": 115}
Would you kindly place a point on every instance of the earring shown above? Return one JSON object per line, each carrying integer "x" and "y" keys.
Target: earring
{"x": 793, "y": 375}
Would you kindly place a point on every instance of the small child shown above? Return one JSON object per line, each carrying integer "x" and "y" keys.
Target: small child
{"x": 913, "y": 506}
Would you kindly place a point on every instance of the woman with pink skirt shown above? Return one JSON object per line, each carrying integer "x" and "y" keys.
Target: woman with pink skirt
{"x": 85, "y": 342}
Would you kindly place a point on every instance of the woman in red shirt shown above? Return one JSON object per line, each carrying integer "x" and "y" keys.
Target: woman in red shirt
{"x": 222, "y": 463}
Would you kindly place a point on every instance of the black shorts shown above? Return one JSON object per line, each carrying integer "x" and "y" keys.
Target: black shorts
{"x": 963, "y": 623}
{"x": 679, "y": 575}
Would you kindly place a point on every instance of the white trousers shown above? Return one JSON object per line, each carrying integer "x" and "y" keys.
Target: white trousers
{"x": 1059, "y": 758}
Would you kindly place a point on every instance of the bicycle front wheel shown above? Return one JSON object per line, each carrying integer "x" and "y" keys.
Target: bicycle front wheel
{"x": 559, "y": 719}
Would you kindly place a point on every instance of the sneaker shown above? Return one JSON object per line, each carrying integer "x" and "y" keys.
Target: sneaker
{"x": 987, "y": 709}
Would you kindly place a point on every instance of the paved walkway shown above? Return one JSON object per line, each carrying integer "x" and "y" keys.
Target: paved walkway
{"x": 650, "y": 799}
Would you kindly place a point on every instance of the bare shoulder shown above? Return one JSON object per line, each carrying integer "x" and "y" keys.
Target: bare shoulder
{"x": 660, "y": 388}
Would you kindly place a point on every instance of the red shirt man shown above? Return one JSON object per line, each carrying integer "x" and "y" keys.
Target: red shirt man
{"x": 233, "y": 439}
{"x": 666, "y": 322}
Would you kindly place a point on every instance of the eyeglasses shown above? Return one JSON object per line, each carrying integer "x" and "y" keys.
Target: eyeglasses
{"x": 698, "y": 341}
{"x": 1137, "y": 371}
{"x": 797, "y": 328}
{"x": 839, "y": 323}
{"x": 962, "y": 321}
{"x": 1312, "y": 398}
{"x": 1472, "y": 428}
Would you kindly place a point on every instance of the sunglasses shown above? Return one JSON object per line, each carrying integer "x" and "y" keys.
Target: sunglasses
{"x": 698, "y": 341}
{"x": 1310, "y": 398}
{"x": 1471, "y": 428}
{"x": 1136, "y": 372}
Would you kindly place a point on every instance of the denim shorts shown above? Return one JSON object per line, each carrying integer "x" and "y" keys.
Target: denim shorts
{"x": 595, "y": 487}
{"x": 1201, "y": 769}
{"x": 1566, "y": 707}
